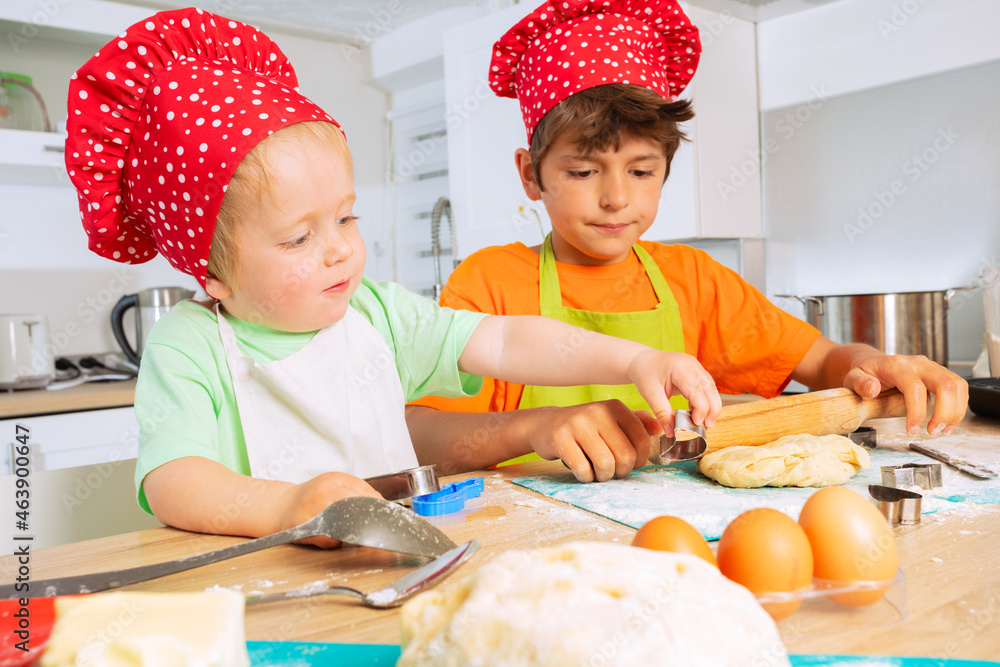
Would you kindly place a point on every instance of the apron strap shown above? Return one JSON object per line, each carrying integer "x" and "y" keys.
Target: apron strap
{"x": 549, "y": 292}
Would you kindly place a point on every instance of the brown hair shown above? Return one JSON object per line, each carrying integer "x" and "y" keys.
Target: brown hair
{"x": 253, "y": 179}
{"x": 598, "y": 118}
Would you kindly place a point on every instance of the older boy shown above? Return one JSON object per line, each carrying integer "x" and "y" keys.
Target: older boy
{"x": 188, "y": 138}
{"x": 596, "y": 87}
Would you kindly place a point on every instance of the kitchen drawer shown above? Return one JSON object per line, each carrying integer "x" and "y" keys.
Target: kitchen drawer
{"x": 74, "y": 438}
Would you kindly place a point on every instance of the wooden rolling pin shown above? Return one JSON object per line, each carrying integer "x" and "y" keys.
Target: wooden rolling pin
{"x": 830, "y": 411}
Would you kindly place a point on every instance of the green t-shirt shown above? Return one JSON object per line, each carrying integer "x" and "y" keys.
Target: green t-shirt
{"x": 184, "y": 398}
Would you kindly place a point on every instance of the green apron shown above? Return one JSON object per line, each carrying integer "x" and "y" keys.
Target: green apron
{"x": 659, "y": 328}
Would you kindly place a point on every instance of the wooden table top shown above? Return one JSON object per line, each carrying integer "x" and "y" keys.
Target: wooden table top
{"x": 950, "y": 561}
{"x": 86, "y": 396}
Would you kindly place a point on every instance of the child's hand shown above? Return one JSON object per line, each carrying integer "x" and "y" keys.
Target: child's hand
{"x": 304, "y": 501}
{"x": 659, "y": 375}
{"x": 915, "y": 377}
{"x": 596, "y": 441}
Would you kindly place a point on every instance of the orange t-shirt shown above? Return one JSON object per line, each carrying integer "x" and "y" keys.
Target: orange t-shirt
{"x": 743, "y": 340}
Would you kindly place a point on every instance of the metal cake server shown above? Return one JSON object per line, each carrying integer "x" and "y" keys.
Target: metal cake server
{"x": 369, "y": 522}
{"x": 972, "y": 467}
{"x": 395, "y": 593}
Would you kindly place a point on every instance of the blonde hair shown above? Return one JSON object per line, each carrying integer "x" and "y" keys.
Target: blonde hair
{"x": 252, "y": 180}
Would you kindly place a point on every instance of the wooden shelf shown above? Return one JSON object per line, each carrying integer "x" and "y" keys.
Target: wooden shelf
{"x": 88, "y": 396}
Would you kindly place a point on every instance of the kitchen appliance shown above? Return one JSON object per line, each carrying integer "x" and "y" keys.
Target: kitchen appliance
{"x": 895, "y": 323}
{"x": 989, "y": 280}
{"x": 150, "y": 305}
{"x": 984, "y": 397}
{"x": 25, "y": 354}
{"x": 74, "y": 370}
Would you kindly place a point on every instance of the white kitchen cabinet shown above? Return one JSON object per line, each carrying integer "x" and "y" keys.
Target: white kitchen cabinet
{"x": 419, "y": 180}
{"x": 81, "y": 474}
{"x": 73, "y": 438}
{"x": 714, "y": 186}
{"x": 33, "y": 158}
{"x": 37, "y": 157}
{"x": 80, "y": 471}
{"x": 853, "y": 46}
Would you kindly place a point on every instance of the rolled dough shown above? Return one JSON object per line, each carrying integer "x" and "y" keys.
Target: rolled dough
{"x": 794, "y": 460}
{"x": 136, "y": 629}
{"x": 590, "y": 603}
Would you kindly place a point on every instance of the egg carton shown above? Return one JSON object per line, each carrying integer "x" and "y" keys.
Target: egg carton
{"x": 822, "y": 610}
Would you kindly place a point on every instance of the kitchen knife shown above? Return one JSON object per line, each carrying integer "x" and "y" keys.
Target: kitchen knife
{"x": 830, "y": 411}
{"x": 963, "y": 464}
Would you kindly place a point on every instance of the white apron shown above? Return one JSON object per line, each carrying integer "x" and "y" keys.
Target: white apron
{"x": 336, "y": 405}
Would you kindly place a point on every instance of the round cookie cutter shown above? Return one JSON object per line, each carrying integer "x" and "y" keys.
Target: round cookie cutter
{"x": 406, "y": 483}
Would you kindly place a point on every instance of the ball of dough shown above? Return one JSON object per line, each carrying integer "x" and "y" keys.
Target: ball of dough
{"x": 794, "y": 460}
{"x": 590, "y": 603}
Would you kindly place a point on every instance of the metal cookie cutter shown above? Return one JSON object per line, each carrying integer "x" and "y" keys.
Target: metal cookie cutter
{"x": 688, "y": 443}
{"x": 924, "y": 475}
{"x": 898, "y": 506}
{"x": 865, "y": 436}
{"x": 407, "y": 483}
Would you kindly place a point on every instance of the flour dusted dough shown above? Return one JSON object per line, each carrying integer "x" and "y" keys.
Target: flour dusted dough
{"x": 590, "y": 603}
{"x": 794, "y": 460}
{"x": 132, "y": 629}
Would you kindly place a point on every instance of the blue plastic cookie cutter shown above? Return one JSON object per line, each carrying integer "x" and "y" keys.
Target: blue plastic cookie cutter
{"x": 449, "y": 499}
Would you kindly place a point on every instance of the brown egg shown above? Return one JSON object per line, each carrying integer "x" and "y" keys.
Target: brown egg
{"x": 669, "y": 533}
{"x": 851, "y": 541}
{"x": 767, "y": 552}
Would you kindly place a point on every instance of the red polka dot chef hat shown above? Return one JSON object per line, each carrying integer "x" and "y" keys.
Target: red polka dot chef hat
{"x": 566, "y": 46}
{"x": 158, "y": 121}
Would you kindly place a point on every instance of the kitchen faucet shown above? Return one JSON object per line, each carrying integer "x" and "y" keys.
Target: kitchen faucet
{"x": 441, "y": 207}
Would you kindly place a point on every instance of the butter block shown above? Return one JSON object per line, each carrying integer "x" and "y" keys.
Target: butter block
{"x": 126, "y": 629}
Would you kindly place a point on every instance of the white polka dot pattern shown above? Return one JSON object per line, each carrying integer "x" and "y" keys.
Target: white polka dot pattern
{"x": 158, "y": 121}
{"x": 566, "y": 46}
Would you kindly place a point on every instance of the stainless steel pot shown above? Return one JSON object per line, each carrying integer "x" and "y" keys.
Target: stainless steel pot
{"x": 895, "y": 323}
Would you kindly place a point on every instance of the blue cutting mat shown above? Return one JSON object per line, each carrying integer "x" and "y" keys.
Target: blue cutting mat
{"x": 680, "y": 491}
{"x": 305, "y": 654}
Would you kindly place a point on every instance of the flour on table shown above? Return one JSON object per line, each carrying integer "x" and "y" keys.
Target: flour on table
{"x": 794, "y": 460}
{"x": 588, "y": 603}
